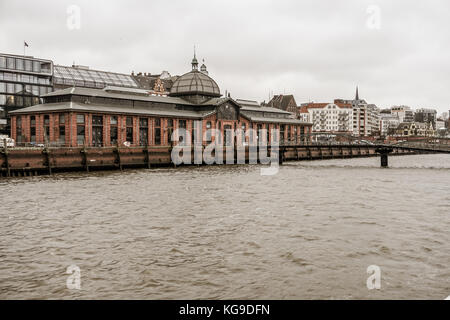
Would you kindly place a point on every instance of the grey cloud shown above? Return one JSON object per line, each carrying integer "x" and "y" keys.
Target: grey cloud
{"x": 314, "y": 49}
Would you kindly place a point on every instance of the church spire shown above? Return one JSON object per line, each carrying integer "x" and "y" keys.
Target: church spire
{"x": 357, "y": 95}
{"x": 194, "y": 62}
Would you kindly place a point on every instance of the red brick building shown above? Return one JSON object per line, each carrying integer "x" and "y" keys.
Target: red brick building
{"x": 284, "y": 102}
{"x": 116, "y": 116}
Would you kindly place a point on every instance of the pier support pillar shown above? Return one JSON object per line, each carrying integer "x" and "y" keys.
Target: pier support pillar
{"x": 384, "y": 152}
{"x": 384, "y": 160}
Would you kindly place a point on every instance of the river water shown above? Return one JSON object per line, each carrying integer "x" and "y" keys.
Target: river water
{"x": 227, "y": 232}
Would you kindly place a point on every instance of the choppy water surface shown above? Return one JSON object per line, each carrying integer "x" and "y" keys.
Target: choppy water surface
{"x": 226, "y": 232}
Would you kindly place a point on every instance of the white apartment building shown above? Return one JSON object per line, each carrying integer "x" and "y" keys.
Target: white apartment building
{"x": 388, "y": 123}
{"x": 440, "y": 124}
{"x": 328, "y": 117}
{"x": 403, "y": 113}
{"x": 366, "y": 117}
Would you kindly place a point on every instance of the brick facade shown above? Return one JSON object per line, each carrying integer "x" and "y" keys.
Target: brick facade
{"x": 291, "y": 132}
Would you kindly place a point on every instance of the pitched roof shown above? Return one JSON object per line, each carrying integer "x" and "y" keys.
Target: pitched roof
{"x": 169, "y": 110}
{"x": 312, "y": 105}
{"x": 115, "y": 95}
{"x": 281, "y": 101}
{"x": 274, "y": 120}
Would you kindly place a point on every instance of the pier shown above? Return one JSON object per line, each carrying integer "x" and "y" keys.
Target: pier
{"x": 30, "y": 161}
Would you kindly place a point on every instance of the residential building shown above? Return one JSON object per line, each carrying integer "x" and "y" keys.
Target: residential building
{"x": 366, "y": 117}
{"x": 440, "y": 124}
{"x": 403, "y": 113}
{"x": 328, "y": 117}
{"x": 388, "y": 123}
{"x": 420, "y": 129}
{"x": 426, "y": 116}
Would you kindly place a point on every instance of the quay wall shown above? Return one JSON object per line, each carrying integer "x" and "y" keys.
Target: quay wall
{"x": 34, "y": 161}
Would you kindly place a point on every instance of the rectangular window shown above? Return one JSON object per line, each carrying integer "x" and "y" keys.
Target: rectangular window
{"x": 26, "y": 78}
{"x": 62, "y": 134}
{"x": 143, "y": 122}
{"x": 208, "y": 132}
{"x": 80, "y": 134}
{"x": 80, "y": 118}
{"x": 36, "y": 66}
{"x": 42, "y": 91}
{"x": 10, "y": 87}
{"x": 113, "y": 135}
{"x": 157, "y": 136}
{"x": 2, "y": 87}
{"x": 97, "y": 120}
{"x": 157, "y": 131}
{"x": 19, "y": 64}
{"x": 129, "y": 130}
{"x": 130, "y": 134}
{"x": 129, "y": 121}
{"x": 2, "y": 62}
{"x": 33, "y": 134}
{"x": 9, "y": 76}
{"x": 46, "y": 128}
{"x": 97, "y": 131}
{"x": 143, "y": 131}
{"x": 169, "y": 130}
{"x": 28, "y": 65}
{"x": 10, "y": 63}
{"x": 19, "y": 101}
{"x": 182, "y": 133}
{"x": 18, "y": 88}
{"x": 19, "y": 129}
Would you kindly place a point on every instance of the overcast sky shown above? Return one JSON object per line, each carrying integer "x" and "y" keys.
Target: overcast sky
{"x": 398, "y": 52}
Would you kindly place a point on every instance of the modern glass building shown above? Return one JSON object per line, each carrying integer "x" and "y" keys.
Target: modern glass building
{"x": 22, "y": 80}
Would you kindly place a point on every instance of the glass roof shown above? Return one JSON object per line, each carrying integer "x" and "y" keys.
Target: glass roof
{"x": 91, "y": 78}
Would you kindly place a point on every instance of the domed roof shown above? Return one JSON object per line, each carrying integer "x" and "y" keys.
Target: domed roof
{"x": 195, "y": 82}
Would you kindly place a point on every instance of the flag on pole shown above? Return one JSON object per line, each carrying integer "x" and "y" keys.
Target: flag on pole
{"x": 25, "y": 44}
